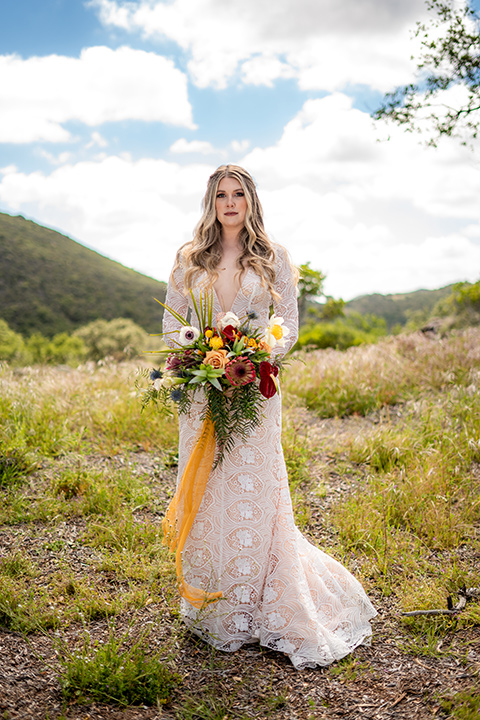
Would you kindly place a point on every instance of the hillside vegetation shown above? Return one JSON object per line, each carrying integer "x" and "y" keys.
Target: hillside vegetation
{"x": 51, "y": 284}
{"x": 398, "y": 309}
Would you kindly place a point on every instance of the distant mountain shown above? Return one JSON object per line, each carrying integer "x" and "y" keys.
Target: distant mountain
{"x": 49, "y": 283}
{"x": 397, "y": 308}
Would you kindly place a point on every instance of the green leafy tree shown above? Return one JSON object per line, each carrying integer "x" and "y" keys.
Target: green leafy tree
{"x": 342, "y": 332}
{"x": 449, "y": 57}
{"x": 332, "y": 309}
{"x": 64, "y": 348}
{"x": 12, "y": 344}
{"x": 120, "y": 339}
{"x": 461, "y": 308}
{"x": 310, "y": 286}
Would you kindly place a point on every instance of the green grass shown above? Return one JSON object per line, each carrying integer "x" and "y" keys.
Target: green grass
{"x": 462, "y": 706}
{"x": 83, "y": 499}
{"x": 115, "y": 671}
{"x": 362, "y": 380}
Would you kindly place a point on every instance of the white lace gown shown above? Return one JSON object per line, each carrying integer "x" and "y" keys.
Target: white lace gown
{"x": 278, "y": 588}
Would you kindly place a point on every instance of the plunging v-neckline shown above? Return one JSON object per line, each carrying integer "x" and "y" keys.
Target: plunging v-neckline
{"x": 219, "y": 302}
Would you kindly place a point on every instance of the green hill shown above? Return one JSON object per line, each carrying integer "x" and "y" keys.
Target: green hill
{"x": 50, "y": 284}
{"x": 396, "y": 309}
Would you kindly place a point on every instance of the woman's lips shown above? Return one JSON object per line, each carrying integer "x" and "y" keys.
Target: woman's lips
{"x": 230, "y": 213}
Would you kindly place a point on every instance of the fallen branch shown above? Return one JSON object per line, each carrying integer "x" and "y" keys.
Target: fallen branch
{"x": 464, "y": 595}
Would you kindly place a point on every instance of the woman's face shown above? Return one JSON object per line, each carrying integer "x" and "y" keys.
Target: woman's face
{"x": 230, "y": 204}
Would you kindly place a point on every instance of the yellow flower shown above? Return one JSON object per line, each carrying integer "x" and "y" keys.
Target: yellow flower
{"x": 216, "y": 343}
{"x": 208, "y": 333}
{"x": 252, "y": 343}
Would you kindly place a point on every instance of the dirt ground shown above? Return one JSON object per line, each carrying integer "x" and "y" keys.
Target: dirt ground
{"x": 382, "y": 681}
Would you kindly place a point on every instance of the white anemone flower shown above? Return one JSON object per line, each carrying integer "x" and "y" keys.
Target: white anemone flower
{"x": 188, "y": 335}
{"x": 229, "y": 319}
{"x": 276, "y": 332}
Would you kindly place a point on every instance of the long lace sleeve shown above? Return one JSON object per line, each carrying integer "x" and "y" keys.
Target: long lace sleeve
{"x": 286, "y": 307}
{"x": 178, "y": 302}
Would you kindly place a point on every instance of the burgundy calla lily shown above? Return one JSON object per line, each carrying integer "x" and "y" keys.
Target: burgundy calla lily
{"x": 230, "y": 333}
{"x": 267, "y": 385}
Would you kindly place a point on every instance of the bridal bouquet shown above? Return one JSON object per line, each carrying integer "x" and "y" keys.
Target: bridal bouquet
{"x": 231, "y": 362}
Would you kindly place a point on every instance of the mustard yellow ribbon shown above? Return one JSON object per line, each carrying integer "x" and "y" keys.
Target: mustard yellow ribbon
{"x": 184, "y": 506}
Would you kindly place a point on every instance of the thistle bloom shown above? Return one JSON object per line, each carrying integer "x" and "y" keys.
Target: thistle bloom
{"x": 276, "y": 332}
{"x": 188, "y": 335}
{"x": 229, "y": 319}
{"x": 240, "y": 371}
{"x": 155, "y": 374}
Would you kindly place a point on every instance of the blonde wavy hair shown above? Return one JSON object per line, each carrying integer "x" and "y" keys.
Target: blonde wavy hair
{"x": 204, "y": 252}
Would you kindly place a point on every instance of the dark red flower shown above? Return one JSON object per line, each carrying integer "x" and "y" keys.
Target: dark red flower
{"x": 267, "y": 385}
{"x": 177, "y": 362}
{"x": 230, "y": 333}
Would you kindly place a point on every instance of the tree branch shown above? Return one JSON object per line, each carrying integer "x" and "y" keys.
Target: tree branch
{"x": 464, "y": 595}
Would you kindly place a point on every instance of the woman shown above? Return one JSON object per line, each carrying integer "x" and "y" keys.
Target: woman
{"x": 243, "y": 547}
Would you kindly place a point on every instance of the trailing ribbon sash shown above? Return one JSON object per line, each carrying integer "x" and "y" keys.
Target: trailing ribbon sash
{"x": 184, "y": 506}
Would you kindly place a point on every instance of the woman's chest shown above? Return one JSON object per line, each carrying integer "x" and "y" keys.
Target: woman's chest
{"x": 246, "y": 295}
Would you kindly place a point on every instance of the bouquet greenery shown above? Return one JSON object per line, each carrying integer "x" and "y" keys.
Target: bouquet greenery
{"x": 231, "y": 362}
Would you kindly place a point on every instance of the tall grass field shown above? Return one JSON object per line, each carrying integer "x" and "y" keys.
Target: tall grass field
{"x": 382, "y": 444}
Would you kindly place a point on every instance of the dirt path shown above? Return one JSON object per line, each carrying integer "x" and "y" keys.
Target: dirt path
{"x": 381, "y": 682}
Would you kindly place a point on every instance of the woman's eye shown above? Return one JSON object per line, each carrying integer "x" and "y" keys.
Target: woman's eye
{"x": 239, "y": 194}
{"x": 220, "y": 195}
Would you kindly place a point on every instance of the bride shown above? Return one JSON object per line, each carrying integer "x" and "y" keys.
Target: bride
{"x": 272, "y": 585}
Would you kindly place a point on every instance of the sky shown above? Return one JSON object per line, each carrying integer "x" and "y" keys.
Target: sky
{"x": 113, "y": 114}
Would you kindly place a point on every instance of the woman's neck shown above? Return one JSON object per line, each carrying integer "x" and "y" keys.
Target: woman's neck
{"x": 230, "y": 240}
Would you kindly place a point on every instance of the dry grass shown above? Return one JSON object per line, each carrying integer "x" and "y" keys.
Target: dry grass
{"x": 391, "y": 489}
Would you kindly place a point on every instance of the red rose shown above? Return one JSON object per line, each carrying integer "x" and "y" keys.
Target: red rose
{"x": 267, "y": 384}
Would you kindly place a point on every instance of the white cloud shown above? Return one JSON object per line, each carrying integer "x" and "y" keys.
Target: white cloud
{"x": 39, "y": 95}
{"x": 97, "y": 140}
{"x": 325, "y": 44}
{"x": 371, "y": 215}
{"x": 240, "y": 146}
{"x": 138, "y": 213}
{"x": 60, "y": 159}
{"x": 183, "y": 146}
{"x": 386, "y": 217}
{"x": 202, "y": 147}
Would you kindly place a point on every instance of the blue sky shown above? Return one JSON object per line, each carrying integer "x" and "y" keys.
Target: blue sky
{"x": 113, "y": 114}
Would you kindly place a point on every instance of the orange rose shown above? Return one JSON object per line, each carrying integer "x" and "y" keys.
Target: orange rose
{"x": 216, "y": 358}
{"x": 262, "y": 345}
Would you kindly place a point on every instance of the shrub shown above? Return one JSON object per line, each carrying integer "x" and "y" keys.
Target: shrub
{"x": 342, "y": 333}
{"x": 12, "y": 344}
{"x": 61, "y": 349}
{"x": 120, "y": 339}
